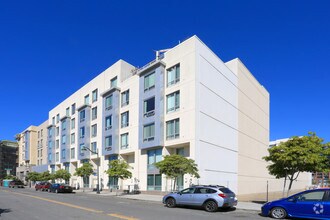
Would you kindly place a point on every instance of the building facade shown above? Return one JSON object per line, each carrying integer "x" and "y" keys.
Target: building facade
{"x": 187, "y": 101}
{"x": 8, "y": 158}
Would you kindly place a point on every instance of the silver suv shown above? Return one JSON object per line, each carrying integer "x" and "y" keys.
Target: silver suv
{"x": 210, "y": 197}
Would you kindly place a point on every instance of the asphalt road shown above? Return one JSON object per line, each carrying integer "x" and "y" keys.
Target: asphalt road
{"x": 28, "y": 204}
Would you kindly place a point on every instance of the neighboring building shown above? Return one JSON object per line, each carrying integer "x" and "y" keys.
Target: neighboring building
{"x": 32, "y": 147}
{"x": 186, "y": 102}
{"x": 8, "y": 158}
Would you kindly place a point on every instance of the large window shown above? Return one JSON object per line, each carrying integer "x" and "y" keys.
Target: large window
{"x": 82, "y": 149}
{"x": 173, "y": 101}
{"x": 124, "y": 119}
{"x": 73, "y": 138}
{"x": 173, "y": 129}
{"x": 67, "y": 111}
{"x": 63, "y": 139}
{"x": 57, "y": 156}
{"x": 73, "y": 108}
{"x": 149, "y": 81}
{"x": 108, "y": 122}
{"x": 72, "y": 153}
{"x": 124, "y": 141}
{"x": 94, "y": 95}
{"x": 64, "y": 125}
{"x": 73, "y": 123}
{"x": 113, "y": 82}
{"x": 63, "y": 153}
{"x": 149, "y": 107}
{"x": 57, "y": 131}
{"x": 94, "y": 113}
{"x": 82, "y": 115}
{"x": 82, "y": 132}
{"x": 57, "y": 118}
{"x": 57, "y": 144}
{"x": 108, "y": 102}
{"x": 154, "y": 182}
{"x": 125, "y": 98}
{"x": 149, "y": 132}
{"x": 94, "y": 147}
{"x": 108, "y": 141}
{"x": 173, "y": 75}
{"x": 94, "y": 130}
{"x": 86, "y": 100}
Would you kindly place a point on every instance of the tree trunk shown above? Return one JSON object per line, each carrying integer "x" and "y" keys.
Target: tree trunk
{"x": 284, "y": 186}
{"x": 174, "y": 184}
{"x": 290, "y": 184}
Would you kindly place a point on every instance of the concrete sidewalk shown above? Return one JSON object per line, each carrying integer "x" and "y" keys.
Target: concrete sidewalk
{"x": 158, "y": 198}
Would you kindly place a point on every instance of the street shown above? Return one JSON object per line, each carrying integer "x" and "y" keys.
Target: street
{"x": 30, "y": 205}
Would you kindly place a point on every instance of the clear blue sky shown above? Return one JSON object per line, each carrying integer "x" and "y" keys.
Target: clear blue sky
{"x": 49, "y": 49}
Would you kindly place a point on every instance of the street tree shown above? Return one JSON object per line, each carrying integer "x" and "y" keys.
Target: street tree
{"x": 298, "y": 154}
{"x": 119, "y": 169}
{"x": 62, "y": 175}
{"x": 84, "y": 171}
{"x": 174, "y": 166}
{"x": 46, "y": 176}
{"x": 33, "y": 176}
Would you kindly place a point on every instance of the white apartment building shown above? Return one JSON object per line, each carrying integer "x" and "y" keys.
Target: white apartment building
{"x": 187, "y": 101}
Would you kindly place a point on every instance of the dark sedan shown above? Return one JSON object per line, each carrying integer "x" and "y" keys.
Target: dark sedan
{"x": 60, "y": 188}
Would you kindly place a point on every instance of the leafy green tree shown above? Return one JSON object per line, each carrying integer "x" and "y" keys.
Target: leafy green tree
{"x": 119, "y": 169}
{"x": 175, "y": 165}
{"x": 46, "y": 176}
{"x": 298, "y": 154}
{"x": 10, "y": 177}
{"x": 62, "y": 174}
{"x": 84, "y": 171}
{"x": 33, "y": 176}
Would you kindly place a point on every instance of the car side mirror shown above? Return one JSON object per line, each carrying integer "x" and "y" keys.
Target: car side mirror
{"x": 180, "y": 193}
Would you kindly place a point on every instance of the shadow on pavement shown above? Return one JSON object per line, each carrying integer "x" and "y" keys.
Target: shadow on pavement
{"x": 4, "y": 211}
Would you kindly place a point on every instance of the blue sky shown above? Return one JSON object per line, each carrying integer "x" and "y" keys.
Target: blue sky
{"x": 49, "y": 49}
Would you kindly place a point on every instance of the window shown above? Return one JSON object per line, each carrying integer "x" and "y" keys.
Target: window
{"x": 108, "y": 141}
{"x": 149, "y": 107}
{"x": 73, "y": 138}
{"x": 94, "y": 113}
{"x": 57, "y": 118}
{"x": 73, "y": 123}
{"x": 149, "y": 132}
{"x": 50, "y": 132}
{"x": 108, "y": 102}
{"x": 82, "y": 115}
{"x": 40, "y": 152}
{"x": 67, "y": 111}
{"x": 94, "y": 95}
{"x": 173, "y": 129}
{"x": 72, "y": 153}
{"x": 57, "y": 131}
{"x": 53, "y": 120}
{"x": 180, "y": 151}
{"x": 108, "y": 122}
{"x": 38, "y": 134}
{"x": 94, "y": 130}
{"x": 82, "y": 149}
{"x": 124, "y": 141}
{"x": 311, "y": 196}
{"x": 50, "y": 145}
{"x": 57, "y": 144}
{"x": 173, "y": 101}
{"x": 154, "y": 182}
{"x": 63, "y": 139}
{"x": 113, "y": 82}
{"x": 124, "y": 119}
{"x": 63, "y": 154}
{"x": 125, "y": 98}
{"x": 50, "y": 158}
{"x": 57, "y": 157}
{"x": 149, "y": 81}
{"x": 64, "y": 125}
{"x": 73, "y": 108}
{"x": 94, "y": 147}
{"x": 86, "y": 100}
{"x": 154, "y": 156}
{"x": 42, "y": 131}
{"x": 82, "y": 132}
{"x": 173, "y": 75}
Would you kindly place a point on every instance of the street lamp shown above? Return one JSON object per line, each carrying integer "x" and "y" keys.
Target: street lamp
{"x": 98, "y": 173}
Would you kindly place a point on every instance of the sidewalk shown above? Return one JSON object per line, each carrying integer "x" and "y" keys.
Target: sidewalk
{"x": 158, "y": 198}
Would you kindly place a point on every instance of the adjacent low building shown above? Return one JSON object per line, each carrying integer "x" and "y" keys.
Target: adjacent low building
{"x": 8, "y": 158}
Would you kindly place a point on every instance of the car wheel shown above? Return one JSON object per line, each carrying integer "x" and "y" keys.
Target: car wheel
{"x": 211, "y": 206}
{"x": 170, "y": 203}
{"x": 278, "y": 213}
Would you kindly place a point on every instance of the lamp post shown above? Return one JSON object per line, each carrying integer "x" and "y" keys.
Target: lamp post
{"x": 98, "y": 173}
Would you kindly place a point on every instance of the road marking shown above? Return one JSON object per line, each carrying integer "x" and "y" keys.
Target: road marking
{"x": 60, "y": 203}
{"x": 75, "y": 206}
{"x": 122, "y": 216}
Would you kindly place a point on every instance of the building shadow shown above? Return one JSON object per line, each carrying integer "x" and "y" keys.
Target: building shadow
{"x": 4, "y": 211}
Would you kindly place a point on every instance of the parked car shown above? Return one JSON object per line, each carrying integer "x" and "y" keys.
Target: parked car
{"x": 42, "y": 186}
{"x": 60, "y": 187}
{"x": 209, "y": 197}
{"x": 16, "y": 183}
{"x": 38, "y": 186}
{"x": 309, "y": 204}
